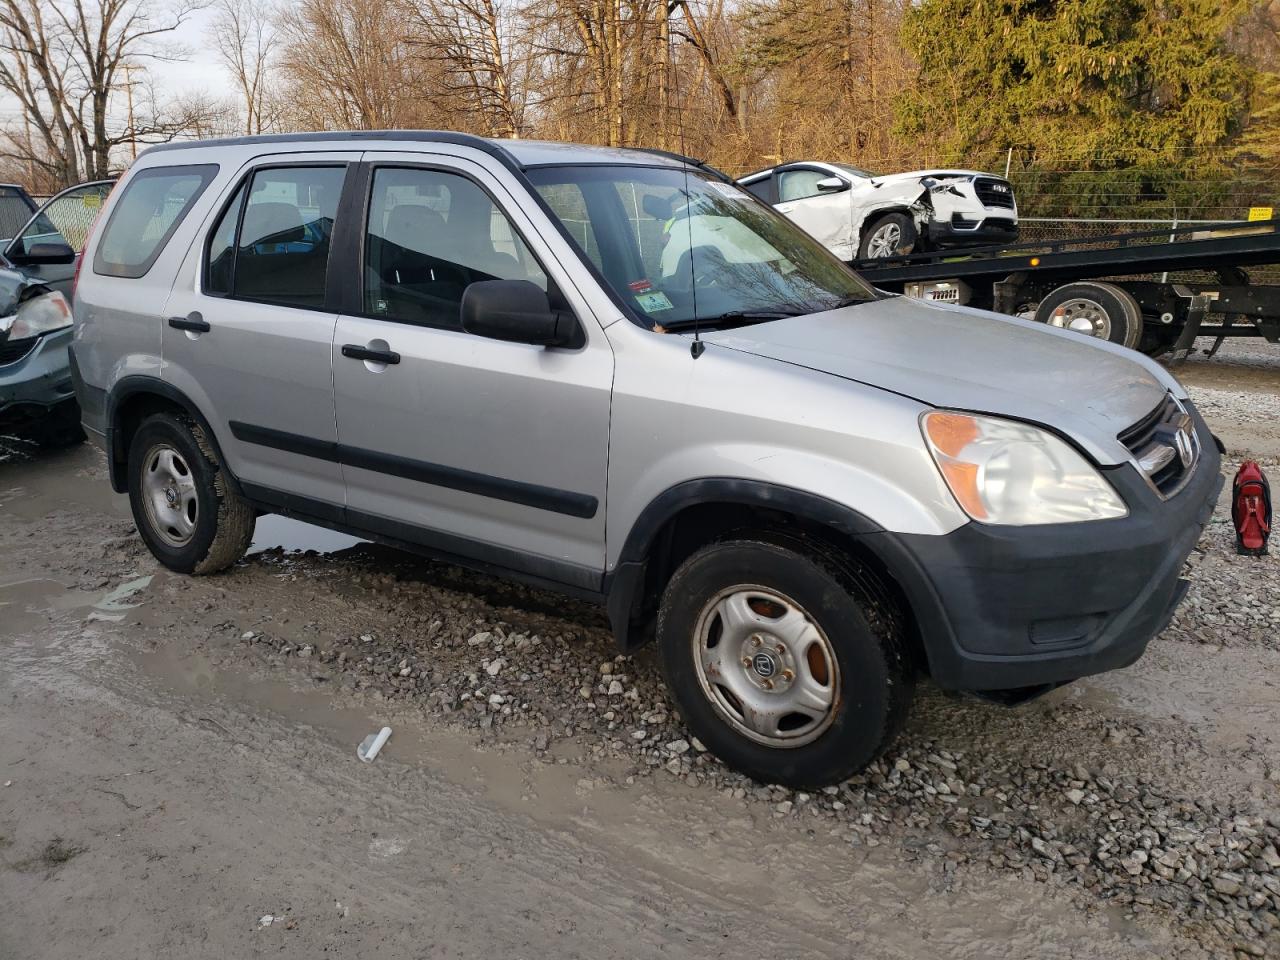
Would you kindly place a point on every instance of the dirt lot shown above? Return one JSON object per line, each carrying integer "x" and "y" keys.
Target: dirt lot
{"x": 178, "y": 773}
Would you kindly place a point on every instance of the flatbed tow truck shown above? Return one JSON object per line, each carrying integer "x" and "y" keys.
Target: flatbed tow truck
{"x": 1117, "y": 287}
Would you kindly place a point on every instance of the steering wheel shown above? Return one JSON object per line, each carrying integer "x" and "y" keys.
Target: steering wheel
{"x": 710, "y": 267}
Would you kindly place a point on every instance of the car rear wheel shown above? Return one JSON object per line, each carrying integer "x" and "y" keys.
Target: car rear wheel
{"x": 893, "y": 235}
{"x": 1100, "y": 310}
{"x": 774, "y": 663}
{"x": 183, "y": 505}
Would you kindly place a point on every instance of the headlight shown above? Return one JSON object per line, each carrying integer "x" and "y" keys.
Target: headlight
{"x": 949, "y": 185}
{"x": 41, "y": 314}
{"x": 1005, "y": 472}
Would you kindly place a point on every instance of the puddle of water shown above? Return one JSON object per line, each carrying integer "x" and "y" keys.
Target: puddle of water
{"x": 30, "y": 602}
{"x": 1225, "y": 694}
{"x": 112, "y": 606}
{"x": 294, "y": 536}
{"x": 34, "y": 486}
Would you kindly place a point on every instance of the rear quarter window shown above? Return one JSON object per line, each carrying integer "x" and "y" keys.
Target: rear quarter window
{"x": 15, "y": 210}
{"x": 151, "y": 207}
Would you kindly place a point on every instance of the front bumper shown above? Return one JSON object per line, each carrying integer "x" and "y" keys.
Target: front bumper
{"x": 37, "y": 386}
{"x": 991, "y": 229}
{"x": 1003, "y": 608}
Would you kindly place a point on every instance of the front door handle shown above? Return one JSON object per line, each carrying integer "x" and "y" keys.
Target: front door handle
{"x": 357, "y": 352}
{"x": 192, "y": 322}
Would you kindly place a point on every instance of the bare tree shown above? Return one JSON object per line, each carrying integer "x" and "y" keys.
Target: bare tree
{"x": 63, "y": 63}
{"x": 468, "y": 40}
{"x": 245, "y": 38}
{"x": 351, "y": 66}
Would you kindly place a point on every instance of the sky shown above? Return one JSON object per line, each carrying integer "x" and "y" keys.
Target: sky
{"x": 200, "y": 71}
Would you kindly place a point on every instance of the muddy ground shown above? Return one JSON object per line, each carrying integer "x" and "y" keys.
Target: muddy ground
{"x": 178, "y": 773}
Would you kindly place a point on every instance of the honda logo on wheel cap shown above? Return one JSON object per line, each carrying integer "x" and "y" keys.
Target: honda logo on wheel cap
{"x": 763, "y": 665}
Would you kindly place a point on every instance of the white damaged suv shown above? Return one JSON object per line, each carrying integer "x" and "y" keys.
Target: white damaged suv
{"x": 861, "y": 216}
{"x": 615, "y": 374}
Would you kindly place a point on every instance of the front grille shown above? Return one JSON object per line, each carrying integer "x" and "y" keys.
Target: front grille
{"x": 11, "y": 351}
{"x": 1164, "y": 445}
{"x": 994, "y": 192}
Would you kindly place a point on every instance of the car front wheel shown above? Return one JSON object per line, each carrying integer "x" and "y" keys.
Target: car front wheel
{"x": 776, "y": 666}
{"x": 893, "y": 235}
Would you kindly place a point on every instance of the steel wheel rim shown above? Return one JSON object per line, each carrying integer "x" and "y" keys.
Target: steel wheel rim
{"x": 169, "y": 495}
{"x": 1083, "y": 316}
{"x": 885, "y": 240}
{"x": 766, "y": 667}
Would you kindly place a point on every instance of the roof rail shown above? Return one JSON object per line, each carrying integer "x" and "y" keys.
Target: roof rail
{"x": 347, "y": 136}
{"x": 692, "y": 161}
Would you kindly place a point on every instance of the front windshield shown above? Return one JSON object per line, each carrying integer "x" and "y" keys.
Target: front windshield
{"x": 856, "y": 171}
{"x": 680, "y": 249}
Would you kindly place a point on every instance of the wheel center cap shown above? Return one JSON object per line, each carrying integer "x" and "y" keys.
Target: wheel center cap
{"x": 764, "y": 665}
{"x": 171, "y": 495}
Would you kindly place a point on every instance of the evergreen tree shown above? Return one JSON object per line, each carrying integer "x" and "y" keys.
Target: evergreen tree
{"x": 1133, "y": 83}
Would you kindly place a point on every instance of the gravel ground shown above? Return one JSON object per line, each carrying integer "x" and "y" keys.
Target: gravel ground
{"x": 1173, "y": 823}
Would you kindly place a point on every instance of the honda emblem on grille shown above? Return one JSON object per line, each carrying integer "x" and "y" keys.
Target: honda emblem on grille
{"x": 1182, "y": 442}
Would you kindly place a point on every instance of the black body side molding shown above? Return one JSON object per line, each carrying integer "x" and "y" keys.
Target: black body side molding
{"x": 566, "y": 502}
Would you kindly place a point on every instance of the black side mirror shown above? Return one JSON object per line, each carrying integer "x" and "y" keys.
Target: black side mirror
{"x": 517, "y": 311}
{"x": 44, "y": 253}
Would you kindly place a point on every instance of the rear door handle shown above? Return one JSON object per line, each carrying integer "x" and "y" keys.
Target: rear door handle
{"x": 357, "y": 352}
{"x": 192, "y": 322}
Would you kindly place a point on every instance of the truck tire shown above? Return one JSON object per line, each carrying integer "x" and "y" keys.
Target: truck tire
{"x": 771, "y": 657}
{"x": 186, "y": 510}
{"x": 892, "y": 235}
{"x": 1101, "y": 310}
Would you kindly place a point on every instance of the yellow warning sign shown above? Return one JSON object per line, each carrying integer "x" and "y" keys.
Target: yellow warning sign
{"x": 1260, "y": 213}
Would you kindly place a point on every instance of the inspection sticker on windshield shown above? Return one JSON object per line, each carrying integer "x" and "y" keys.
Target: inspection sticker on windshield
{"x": 640, "y": 286}
{"x": 726, "y": 189}
{"x": 654, "y": 302}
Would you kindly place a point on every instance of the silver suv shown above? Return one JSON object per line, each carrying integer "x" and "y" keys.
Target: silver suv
{"x": 615, "y": 374}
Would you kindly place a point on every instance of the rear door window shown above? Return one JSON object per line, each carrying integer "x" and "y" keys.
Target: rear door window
{"x": 151, "y": 207}
{"x": 761, "y": 189}
{"x": 271, "y": 244}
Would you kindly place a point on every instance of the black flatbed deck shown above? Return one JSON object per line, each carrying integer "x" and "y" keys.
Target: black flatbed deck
{"x": 1204, "y": 247}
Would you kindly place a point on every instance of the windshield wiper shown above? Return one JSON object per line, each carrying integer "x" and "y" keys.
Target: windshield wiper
{"x": 845, "y": 302}
{"x": 732, "y": 316}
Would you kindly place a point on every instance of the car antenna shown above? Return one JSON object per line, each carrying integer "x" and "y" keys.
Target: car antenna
{"x": 697, "y": 347}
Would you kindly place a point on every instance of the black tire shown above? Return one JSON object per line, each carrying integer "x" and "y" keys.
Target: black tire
{"x": 221, "y": 519}
{"x": 1157, "y": 341}
{"x": 873, "y": 683}
{"x": 1122, "y": 314}
{"x": 908, "y": 236}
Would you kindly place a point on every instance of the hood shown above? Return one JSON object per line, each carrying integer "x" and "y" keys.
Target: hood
{"x": 971, "y": 360}
{"x": 941, "y": 174}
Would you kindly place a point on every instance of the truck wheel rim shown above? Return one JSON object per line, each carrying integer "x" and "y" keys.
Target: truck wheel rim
{"x": 1083, "y": 316}
{"x": 169, "y": 495}
{"x": 885, "y": 241}
{"x": 766, "y": 666}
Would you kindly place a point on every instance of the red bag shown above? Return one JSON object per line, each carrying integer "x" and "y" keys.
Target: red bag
{"x": 1251, "y": 509}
